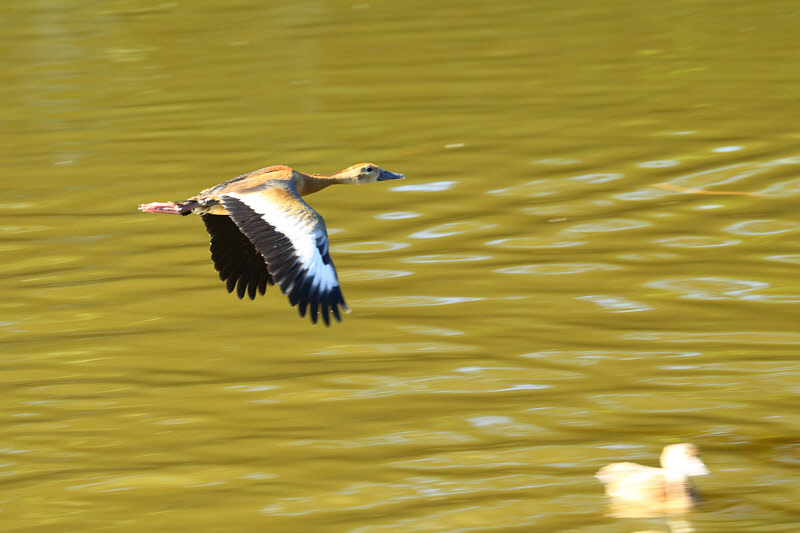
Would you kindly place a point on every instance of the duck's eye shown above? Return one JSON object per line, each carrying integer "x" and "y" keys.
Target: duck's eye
{"x": 368, "y": 169}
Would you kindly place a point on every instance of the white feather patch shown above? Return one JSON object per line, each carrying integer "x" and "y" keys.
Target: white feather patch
{"x": 302, "y": 226}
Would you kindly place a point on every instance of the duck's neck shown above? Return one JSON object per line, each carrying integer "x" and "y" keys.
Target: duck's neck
{"x": 310, "y": 183}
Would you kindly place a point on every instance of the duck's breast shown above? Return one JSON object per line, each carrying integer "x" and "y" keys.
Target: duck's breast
{"x": 631, "y": 482}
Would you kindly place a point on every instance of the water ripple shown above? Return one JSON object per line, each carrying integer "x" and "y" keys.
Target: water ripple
{"x": 608, "y": 225}
{"x": 391, "y": 348}
{"x": 726, "y": 149}
{"x": 603, "y": 357}
{"x": 369, "y": 247}
{"x": 549, "y": 187}
{"x": 557, "y": 268}
{"x": 651, "y": 402}
{"x": 788, "y": 188}
{"x": 362, "y": 275}
{"x": 506, "y": 426}
{"x": 710, "y": 288}
{"x": 416, "y": 301}
{"x": 396, "y": 215}
{"x": 568, "y": 208}
{"x": 696, "y": 242}
{"x": 615, "y": 304}
{"x": 761, "y": 227}
{"x": 453, "y": 228}
{"x": 461, "y": 381}
{"x": 730, "y": 174}
{"x": 534, "y": 242}
{"x": 435, "y": 186}
{"x": 658, "y": 164}
{"x": 434, "y": 331}
{"x": 446, "y": 258}
{"x": 598, "y": 178}
{"x": 733, "y": 337}
{"x": 787, "y": 258}
{"x": 557, "y": 161}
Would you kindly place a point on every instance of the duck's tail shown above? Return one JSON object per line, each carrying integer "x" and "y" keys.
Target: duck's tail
{"x": 171, "y": 208}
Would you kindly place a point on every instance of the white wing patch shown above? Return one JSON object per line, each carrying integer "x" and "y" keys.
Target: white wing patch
{"x": 304, "y": 228}
{"x": 294, "y": 243}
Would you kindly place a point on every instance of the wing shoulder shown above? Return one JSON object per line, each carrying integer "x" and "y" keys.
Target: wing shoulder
{"x": 257, "y": 178}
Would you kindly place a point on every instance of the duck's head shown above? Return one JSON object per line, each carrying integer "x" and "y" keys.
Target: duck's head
{"x": 684, "y": 459}
{"x": 364, "y": 173}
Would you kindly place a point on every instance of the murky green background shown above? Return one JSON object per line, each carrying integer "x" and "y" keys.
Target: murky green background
{"x": 594, "y": 254}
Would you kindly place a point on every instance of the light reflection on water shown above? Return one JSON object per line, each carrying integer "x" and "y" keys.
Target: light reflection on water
{"x": 436, "y": 186}
{"x": 446, "y": 258}
{"x": 453, "y": 228}
{"x": 361, "y": 275}
{"x": 416, "y": 301}
{"x": 616, "y": 304}
{"x": 557, "y": 268}
{"x": 534, "y": 242}
{"x": 368, "y": 247}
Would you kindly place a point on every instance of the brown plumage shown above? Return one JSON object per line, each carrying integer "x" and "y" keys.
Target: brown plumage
{"x": 263, "y": 233}
{"x": 638, "y": 490}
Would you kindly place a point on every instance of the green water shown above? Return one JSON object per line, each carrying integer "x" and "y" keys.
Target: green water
{"x": 594, "y": 254}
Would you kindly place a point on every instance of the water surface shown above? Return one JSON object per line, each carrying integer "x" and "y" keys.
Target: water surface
{"x": 593, "y": 255}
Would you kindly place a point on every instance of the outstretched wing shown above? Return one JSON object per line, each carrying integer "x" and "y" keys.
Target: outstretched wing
{"x": 235, "y": 257}
{"x": 292, "y": 239}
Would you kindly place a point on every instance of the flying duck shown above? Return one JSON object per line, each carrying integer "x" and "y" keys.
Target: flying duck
{"x": 638, "y": 490}
{"x": 263, "y": 233}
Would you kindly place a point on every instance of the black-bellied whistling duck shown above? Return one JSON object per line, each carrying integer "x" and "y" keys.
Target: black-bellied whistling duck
{"x": 263, "y": 233}
{"x": 638, "y": 490}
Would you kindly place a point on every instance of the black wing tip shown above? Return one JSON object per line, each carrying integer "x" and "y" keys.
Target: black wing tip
{"x": 321, "y": 308}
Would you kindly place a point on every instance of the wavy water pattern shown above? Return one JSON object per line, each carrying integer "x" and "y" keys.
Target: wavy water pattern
{"x": 593, "y": 254}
